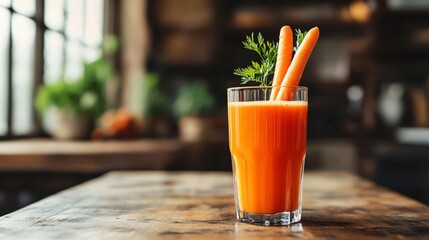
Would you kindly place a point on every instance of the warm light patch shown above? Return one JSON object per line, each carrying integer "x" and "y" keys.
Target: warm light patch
{"x": 359, "y": 11}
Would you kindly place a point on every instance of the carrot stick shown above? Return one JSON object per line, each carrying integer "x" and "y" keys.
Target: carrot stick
{"x": 284, "y": 56}
{"x": 296, "y": 68}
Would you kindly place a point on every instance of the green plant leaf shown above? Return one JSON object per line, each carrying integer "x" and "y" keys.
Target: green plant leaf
{"x": 259, "y": 72}
{"x": 193, "y": 99}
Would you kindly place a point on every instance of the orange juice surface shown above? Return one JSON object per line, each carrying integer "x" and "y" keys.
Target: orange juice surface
{"x": 268, "y": 142}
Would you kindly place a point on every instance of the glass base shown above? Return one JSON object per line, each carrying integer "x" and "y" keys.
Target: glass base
{"x": 275, "y": 219}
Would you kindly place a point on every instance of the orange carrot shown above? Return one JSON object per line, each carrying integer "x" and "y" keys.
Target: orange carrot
{"x": 296, "y": 68}
{"x": 284, "y": 56}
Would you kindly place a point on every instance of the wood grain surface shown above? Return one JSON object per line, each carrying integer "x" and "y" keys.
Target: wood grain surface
{"x": 192, "y": 205}
{"x": 45, "y": 155}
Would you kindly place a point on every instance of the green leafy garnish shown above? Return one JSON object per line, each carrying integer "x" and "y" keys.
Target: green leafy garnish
{"x": 259, "y": 72}
{"x": 299, "y": 38}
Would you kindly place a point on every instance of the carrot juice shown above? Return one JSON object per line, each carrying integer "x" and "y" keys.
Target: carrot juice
{"x": 268, "y": 141}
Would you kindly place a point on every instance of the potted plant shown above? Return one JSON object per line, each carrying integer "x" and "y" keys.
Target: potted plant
{"x": 192, "y": 105}
{"x": 64, "y": 107}
{"x": 69, "y": 106}
{"x": 156, "y": 107}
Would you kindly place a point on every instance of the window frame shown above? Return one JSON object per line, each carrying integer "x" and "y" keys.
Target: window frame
{"x": 110, "y": 12}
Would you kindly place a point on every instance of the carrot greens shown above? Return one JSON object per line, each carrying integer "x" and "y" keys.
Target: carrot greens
{"x": 262, "y": 71}
{"x": 299, "y": 38}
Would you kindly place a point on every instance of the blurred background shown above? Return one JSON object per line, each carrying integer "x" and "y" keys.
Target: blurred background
{"x": 92, "y": 86}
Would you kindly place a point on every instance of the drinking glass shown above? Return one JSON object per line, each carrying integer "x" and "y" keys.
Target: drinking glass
{"x": 268, "y": 143}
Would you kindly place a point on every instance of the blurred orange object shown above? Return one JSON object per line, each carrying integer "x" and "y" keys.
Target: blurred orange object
{"x": 117, "y": 124}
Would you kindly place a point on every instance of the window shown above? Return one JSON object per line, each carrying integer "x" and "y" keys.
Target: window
{"x": 42, "y": 41}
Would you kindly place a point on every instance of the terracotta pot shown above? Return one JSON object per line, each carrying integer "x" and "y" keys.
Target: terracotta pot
{"x": 64, "y": 124}
{"x": 194, "y": 129}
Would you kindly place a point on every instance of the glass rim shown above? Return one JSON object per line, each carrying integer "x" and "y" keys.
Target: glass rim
{"x": 265, "y": 87}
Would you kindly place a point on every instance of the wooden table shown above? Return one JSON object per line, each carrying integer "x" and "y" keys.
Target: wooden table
{"x": 190, "y": 205}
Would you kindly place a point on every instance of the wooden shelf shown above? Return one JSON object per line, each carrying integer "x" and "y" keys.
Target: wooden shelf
{"x": 40, "y": 155}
